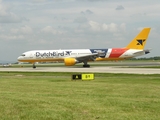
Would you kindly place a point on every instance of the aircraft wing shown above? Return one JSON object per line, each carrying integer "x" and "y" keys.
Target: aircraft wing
{"x": 89, "y": 57}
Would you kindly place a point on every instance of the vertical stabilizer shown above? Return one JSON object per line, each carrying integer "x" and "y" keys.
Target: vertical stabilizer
{"x": 140, "y": 40}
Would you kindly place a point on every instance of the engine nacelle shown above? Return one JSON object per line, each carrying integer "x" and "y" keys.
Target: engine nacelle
{"x": 70, "y": 61}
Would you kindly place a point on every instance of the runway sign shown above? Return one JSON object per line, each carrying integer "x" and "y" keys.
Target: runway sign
{"x": 83, "y": 76}
{"x": 77, "y": 77}
{"x": 88, "y": 76}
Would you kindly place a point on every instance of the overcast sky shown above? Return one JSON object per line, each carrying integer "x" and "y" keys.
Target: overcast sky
{"x": 66, "y": 24}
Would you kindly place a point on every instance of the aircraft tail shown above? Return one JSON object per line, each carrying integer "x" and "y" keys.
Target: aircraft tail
{"x": 140, "y": 40}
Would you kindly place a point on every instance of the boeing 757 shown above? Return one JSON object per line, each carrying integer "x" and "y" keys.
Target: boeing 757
{"x": 71, "y": 57}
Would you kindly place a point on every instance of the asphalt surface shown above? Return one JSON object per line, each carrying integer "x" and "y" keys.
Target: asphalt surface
{"x": 95, "y": 69}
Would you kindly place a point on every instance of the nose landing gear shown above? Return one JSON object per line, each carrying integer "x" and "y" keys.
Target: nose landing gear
{"x": 34, "y": 66}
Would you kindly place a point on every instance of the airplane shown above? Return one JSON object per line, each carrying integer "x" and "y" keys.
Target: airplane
{"x": 71, "y": 57}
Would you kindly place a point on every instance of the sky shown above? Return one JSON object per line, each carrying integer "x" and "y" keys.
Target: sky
{"x": 74, "y": 24}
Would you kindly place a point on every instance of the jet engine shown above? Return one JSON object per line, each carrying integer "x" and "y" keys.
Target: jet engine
{"x": 70, "y": 61}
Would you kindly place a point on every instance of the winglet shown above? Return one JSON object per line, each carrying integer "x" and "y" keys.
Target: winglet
{"x": 140, "y": 40}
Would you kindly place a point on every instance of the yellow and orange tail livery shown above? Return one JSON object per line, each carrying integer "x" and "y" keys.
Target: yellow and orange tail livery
{"x": 140, "y": 40}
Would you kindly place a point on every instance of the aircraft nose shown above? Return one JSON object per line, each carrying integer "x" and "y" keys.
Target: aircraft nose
{"x": 19, "y": 58}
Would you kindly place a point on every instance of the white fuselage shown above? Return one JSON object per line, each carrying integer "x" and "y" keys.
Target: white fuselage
{"x": 60, "y": 55}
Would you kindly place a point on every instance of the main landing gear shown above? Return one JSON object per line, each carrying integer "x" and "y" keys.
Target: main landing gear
{"x": 86, "y": 65}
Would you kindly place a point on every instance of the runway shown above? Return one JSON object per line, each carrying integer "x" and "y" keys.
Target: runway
{"x": 95, "y": 69}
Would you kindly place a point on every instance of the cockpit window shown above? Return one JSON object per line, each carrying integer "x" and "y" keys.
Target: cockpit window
{"x": 23, "y": 55}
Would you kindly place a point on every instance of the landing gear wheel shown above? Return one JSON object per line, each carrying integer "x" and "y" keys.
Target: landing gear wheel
{"x": 34, "y": 66}
{"x": 86, "y": 65}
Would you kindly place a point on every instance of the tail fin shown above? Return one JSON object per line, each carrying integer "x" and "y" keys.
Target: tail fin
{"x": 140, "y": 40}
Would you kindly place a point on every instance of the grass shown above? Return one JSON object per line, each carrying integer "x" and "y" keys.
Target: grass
{"x": 53, "y": 96}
